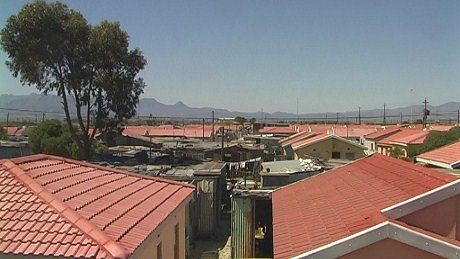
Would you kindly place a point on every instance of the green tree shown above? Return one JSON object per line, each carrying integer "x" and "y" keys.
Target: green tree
{"x": 397, "y": 152}
{"x": 54, "y": 49}
{"x": 53, "y": 137}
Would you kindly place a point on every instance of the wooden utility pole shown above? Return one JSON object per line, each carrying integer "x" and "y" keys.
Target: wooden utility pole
{"x": 222, "y": 155}
{"x": 359, "y": 115}
{"x": 203, "y": 129}
{"x": 458, "y": 118}
{"x": 425, "y": 113}
{"x": 213, "y": 133}
{"x": 384, "y": 115}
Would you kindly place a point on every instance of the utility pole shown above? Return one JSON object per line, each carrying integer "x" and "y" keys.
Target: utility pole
{"x": 400, "y": 119}
{"x": 337, "y": 120}
{"x": 43, "y": 117}
{"x": 425, "y": 113}
{"x": 7, "y": 120}
{"x": 203, "y": 129}
{"x": 222, "y": 155}
{"x": 384, "y": 115}
{"x": 359, "y": 115}
{"x": 326, "y": 119}
{"x": 458, "y": 118}
{"x": 213, "y": 133}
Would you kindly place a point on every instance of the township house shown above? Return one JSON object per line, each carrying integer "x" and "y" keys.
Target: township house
{"x": 56, "y": 207}
{"x": 445, "y": 157}
{"x": 325, "y": 146}
{"x": 375, "y": 207}
{"x": 404, "y": 139}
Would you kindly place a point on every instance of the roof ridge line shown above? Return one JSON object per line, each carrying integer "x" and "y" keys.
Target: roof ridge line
{"x": 72, "y": 217}
{"x": 88, "y": 164}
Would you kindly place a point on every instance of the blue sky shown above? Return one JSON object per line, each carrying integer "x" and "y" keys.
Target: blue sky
{"x": 326, "y": 56}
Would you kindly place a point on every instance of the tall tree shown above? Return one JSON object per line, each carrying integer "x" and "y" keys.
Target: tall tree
{"x": 54, "y": 49}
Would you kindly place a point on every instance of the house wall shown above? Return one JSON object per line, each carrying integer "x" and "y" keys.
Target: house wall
{"x": 389, "y": 248}
{"x": 371, "y": 145}
{"x": 442, "y": 218}
{"x": 325, "y": 148}
{"x": 164, "y": 234}
{"x": 385, "y": 150}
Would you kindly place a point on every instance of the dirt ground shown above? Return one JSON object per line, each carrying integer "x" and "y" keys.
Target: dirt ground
{"x": 217, "y": 247}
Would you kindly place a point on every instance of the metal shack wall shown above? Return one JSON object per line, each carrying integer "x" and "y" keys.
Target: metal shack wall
{"x": 243, "y": 244}
{"x": 207, "y": 202}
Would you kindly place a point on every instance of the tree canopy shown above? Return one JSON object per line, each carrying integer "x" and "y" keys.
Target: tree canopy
{"x": 52, "y": 137}
{"x": 54, "y": 49}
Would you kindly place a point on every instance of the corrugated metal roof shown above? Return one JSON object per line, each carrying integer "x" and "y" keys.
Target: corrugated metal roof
{"x": 406, "y": 136}
{"x": 449, "y": 154}
{"x": 109, "y": 212}
{"x": 382, "y": 133}
{"x": 329, "y": 206}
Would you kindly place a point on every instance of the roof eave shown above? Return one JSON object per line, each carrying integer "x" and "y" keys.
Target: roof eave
{"x": 380, "y": 232}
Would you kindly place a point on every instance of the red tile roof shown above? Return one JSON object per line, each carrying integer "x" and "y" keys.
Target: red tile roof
{"x": 308, "y": 141}
{"x": 296, "y": 137}
{"x": 62, "y": 207}
{"x": 278, "y": 130}
{"x": 330, "y": 206}
{"x": 13, "y": 131}
{"x": 190, "y": 131}
{"x": 449, "y": 154}
{"x": 406, "y": 136}
{"x": 318, "y": 138}
{"x": 382, "y": 133}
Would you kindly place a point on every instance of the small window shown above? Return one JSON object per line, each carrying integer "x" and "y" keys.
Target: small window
{"x": 159, "y": 252}
{"x": 336, "y": 154}
{"x": 350, "y": 155}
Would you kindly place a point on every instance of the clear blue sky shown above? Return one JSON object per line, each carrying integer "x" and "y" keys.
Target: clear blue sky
{"x": 247, "y": 55}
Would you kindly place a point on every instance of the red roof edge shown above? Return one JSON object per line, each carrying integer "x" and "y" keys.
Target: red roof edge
{"x": 92, "y": 231}
{"x": 37, "y": 157}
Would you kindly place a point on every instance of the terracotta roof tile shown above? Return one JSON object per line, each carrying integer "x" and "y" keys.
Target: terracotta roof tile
{"x": 61, "y": 207}
{"x": 344, "y": 201}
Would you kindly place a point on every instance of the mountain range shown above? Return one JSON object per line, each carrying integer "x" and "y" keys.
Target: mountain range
{"x": 33, "y": 104}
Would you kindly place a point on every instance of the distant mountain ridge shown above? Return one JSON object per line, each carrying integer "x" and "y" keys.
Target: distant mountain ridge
{"x": 51, "y": 104}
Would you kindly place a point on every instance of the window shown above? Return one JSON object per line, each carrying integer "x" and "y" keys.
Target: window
{"x": 350, "y": 155}
{"x": 159, "y": 252}
{"x": 336, "y": 154}
{"x": 176, "y": 241}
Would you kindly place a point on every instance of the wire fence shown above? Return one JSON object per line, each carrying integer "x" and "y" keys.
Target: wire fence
{"x": 439, "y": 117}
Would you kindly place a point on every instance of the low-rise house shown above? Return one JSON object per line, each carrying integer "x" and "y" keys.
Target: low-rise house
{"x": 57, "y": 207}
{"x": 326, "y": 146}
{"x": 370, "y": 140}
{"x": 286, "y": 143}
{"x": 375, "y": 207}
{"x": 403, "y": 140}
{"x": 445, "y": 157}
